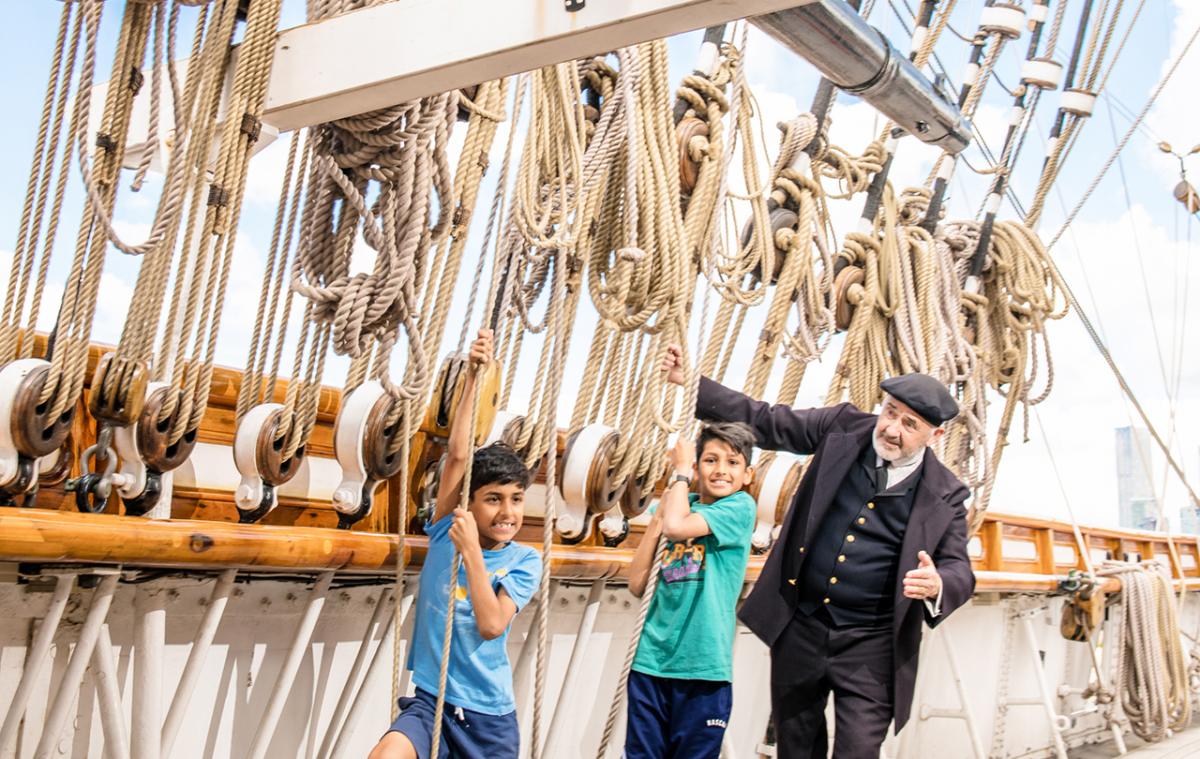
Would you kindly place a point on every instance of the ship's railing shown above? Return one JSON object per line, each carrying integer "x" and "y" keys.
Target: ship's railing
{"x": 1042, "y": 550}
{"x": 1011, "y": 553}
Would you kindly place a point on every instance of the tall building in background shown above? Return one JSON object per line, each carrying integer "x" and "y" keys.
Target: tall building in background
{"x": 1189, "y": 516}
{"x": 1189, "y": 520}
{"x": 1135, "y": 495}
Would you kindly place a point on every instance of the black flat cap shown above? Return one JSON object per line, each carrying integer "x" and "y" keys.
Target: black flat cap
{"x": 922, "y": 394}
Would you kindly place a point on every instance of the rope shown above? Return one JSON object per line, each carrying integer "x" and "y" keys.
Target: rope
{"x": 1152, "y": 677}
{"x": 691, "y": 429}
{"x": 495, "y": 296}
{"x": 1091, "y": 188}
{"x": 68, "y": 363}
{"x": 209, "y": 268}
{"x": 13, "y": 342}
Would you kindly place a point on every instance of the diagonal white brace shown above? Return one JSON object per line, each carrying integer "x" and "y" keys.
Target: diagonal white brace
{"x": 384, "y": 604}
{"x": 68, "y": 686}
{"x": 287, "y": 674}
{"x": 195, "y": 661}
{"x": 39, "y": 649}
{"x": 394, "y": 626}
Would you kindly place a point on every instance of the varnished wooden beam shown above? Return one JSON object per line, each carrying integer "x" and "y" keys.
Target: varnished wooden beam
{"x": 40, "y": 536}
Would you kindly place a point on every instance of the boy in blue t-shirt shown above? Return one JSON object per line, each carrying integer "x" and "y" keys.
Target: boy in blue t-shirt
{"x": 680, "y": 688}
{"x": 497, "y": 578}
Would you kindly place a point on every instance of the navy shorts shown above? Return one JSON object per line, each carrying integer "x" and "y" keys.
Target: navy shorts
{"x": 465, "y": 734}
{"x": 676, "y": 719}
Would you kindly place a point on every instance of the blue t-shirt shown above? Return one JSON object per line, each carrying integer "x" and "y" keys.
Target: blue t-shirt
{"x": 479, "y": 677}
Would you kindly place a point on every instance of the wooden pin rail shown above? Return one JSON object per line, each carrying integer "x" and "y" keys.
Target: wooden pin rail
{"x": 42, "y": 536}
{"x": 1010, "y": 553}
{"x": 218, "y": 427}
{"x": 39, "y": 536}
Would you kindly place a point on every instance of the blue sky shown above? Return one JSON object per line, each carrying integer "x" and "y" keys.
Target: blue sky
{"x": 1126, "y": 229}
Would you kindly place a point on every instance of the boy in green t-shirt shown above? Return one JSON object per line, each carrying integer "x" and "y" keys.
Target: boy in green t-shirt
{"x": 680, "y": 690}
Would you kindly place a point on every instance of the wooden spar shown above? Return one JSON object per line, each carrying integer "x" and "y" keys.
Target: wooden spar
{"x": 40, "y": 536}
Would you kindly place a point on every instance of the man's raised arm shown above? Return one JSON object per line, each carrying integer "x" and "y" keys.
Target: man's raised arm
{"x": 776, "y": 427}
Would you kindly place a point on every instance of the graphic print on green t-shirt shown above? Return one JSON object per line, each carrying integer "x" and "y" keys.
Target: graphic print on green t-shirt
{"x": 683, "y": 562}
{"x": 688, "y": 634}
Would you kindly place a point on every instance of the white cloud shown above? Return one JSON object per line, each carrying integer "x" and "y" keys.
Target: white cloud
{"x": 264, "y": 176}
{"x": 1176, "y": 111}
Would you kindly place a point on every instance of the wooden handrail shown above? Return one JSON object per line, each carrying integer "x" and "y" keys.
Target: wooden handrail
{"x": 53, "y": 537}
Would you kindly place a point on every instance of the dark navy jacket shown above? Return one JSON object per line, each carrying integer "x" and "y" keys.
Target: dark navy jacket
{"x": 836, "y": 437}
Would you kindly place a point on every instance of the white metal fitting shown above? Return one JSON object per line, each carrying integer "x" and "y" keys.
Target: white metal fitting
{"x": 249, "y": 493}
{"x": 11, "y": 377}
{"x": 613, "y": 525}
{"x": 1045, "y": 73}
{"x": 1078, "y": 102}
{"x": 774, "y": 479}
{"x": 348, "y": 433}
{"x": 1005, "y": 19}
{"x": 577, "y": 468}
{"x": 131, "y": 477}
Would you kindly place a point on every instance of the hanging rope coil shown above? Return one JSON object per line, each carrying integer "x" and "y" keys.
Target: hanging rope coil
{"x": 1152, "y": 676}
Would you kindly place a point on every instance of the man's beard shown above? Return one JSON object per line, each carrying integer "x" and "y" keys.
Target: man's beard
{"x": 883, "y": 453}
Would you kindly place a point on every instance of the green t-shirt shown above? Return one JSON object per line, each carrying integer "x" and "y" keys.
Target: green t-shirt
{"x": 689, "y": 629}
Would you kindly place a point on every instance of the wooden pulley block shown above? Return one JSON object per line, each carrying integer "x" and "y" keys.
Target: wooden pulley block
{"x": 447, "y": 395}
{"x": 427, "y": 488}
{"x": 144, "y": 489}
{"x": 380, "y": 438}
{"x": 849, "y": 280}
{"x": 585, "y": 479}
{"x": 506, "y": 428}
{"x": 776, "y": 482}
{"x": 106, "y": 400}
{"x": 53, "y": 469}
{"x": 637, "y": 494}
{"x": 1082, "y": 614}
{"x": 689, "y": 168}
{"x": 353, "y": 496}
{"x": 153, "y": 434}
{"x": 424, "y": 461}
{"x": 1186, "y": 194}
{"x": 781, "y": 218}
{"x": 33, "y": 432}
{"x": 258, "y": 454}
{"x": 274, "y": 468}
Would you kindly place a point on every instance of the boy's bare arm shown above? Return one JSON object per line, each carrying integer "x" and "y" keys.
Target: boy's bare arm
{"x": 643, "y": 558}
{"x": 458, "y": 447}
{"x": 493, "y": 610}
{"x": 678, "y": 520}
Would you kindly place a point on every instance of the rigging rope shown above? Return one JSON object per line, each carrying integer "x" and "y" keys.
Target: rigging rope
{"x": 1075, "y": 304}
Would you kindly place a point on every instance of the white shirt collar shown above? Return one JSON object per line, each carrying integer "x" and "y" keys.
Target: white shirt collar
{"x": 900, "y": 469}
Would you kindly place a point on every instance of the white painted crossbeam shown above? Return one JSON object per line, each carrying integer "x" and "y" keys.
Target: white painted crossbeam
{"x": 395, "y": 52}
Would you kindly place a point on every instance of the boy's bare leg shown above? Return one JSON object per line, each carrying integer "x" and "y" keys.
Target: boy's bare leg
{"x": 393, "y": 746}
